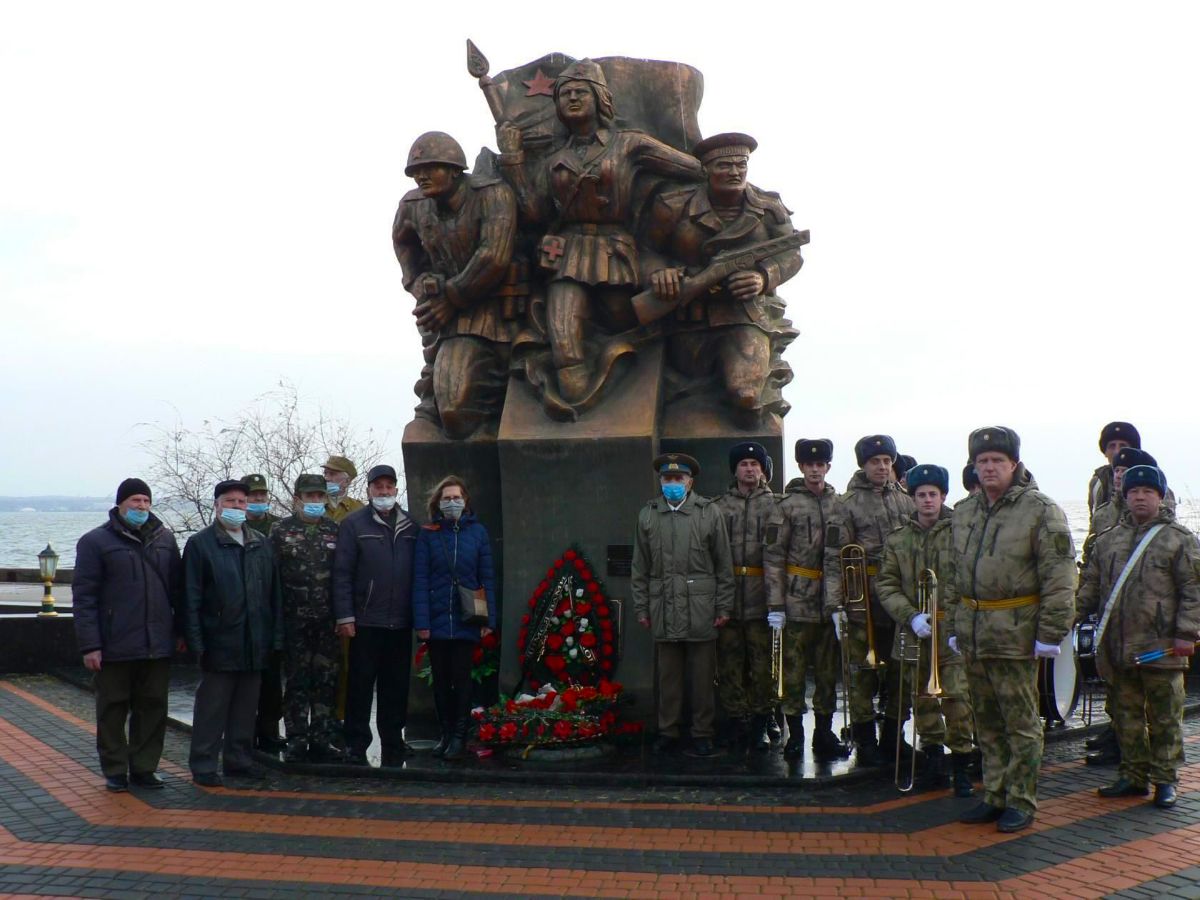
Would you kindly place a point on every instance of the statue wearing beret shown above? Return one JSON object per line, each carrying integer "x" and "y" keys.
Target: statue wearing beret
{"x": 735, "y": 329}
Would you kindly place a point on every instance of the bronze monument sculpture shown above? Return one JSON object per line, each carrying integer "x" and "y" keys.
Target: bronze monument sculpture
{"x": 599, "y": 288}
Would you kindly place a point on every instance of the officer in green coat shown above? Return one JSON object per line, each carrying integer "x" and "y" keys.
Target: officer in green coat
{"x": 258, "y": 504}
{"x": 1113, "y": 437}
{"x": 1010, "y": 600}
{"x": 304, "y": 545}
{"x": 683, "y": 592}
{"x": 1149, "y": 624}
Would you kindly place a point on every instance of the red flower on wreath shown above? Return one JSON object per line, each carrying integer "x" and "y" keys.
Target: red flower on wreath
{"x": 606, "y": 664}
{"x": 563, "y": 729}
{"x": 582, "y": 609}
{"x": 568, "y": 629}
{"x": 588, "y": 639}
{"x": 570, "y": 554}
{"x": 554, "y": 641}
{"x": 555, "y": 663}
{"x": 508, "y": 731}
{"x": 592, "y": 587}
{"x": 487, "y": 732}
{"x": 585, "y": 573}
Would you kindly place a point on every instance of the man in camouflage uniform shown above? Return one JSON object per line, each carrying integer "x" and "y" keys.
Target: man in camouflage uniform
{"x": 1009, "y": 602}
{"x": 339, "y": 472}
{"x": 795, "y": 564}
{"x": 1155, "y": 607}
{"x": 304, "y": 544}
{"x": 454, "y": 236}
{"x": 1113, "y": 437}
{"x": 683, "y": 590}
{"x": 870, "y": 509}
{"x": 924, "y": 542}
{"x": 270, "y": 697}
{"x": 744, "y": 645}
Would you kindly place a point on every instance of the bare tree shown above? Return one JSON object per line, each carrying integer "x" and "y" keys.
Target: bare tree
{"x": 277, "y": 434}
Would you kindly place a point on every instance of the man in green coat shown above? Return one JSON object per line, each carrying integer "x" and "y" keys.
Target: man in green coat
{"x": 683, "y": 592}
{"x": 1010, "y": 601}
{"x": 1113, "y": 437}
{"x": 921, "y": 544}
{"x": 1144, "y": 580}
{"x": 744, "y": 645}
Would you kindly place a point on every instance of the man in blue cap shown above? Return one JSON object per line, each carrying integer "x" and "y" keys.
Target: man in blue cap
{"x": 683, "y": 591}
{"x": 1144, "y": 582}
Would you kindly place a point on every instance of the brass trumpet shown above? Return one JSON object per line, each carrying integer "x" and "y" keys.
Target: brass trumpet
{"x": 927, "y": 603}
{"x": 856, "y": 587}
{"x": 777, "y": 661}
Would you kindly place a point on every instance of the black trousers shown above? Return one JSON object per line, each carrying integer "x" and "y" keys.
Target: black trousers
{"x": 379, "y": 657}
{"x": 450, "y": 663}
{"x": 270, "y": 699}
{"x": 135, "y": 691}
{"x": 223, "y": 721}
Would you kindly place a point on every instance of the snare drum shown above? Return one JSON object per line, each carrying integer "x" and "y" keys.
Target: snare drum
{"x": 1058, "y": 684}
{"x": 1085, "y": 652}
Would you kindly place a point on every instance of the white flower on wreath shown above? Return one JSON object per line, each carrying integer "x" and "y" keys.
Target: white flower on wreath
{"x": 583, "y": 623}
{"x": 570, "y": 641}
{"x": 567, "y": 614}
{"x": 573, "y": 652}
{"x": 554, "y": 620}
{"x": 579, "y": 592}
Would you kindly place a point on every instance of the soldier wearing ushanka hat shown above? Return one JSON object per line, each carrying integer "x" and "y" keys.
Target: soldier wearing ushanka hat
{"x": 1113, "y": 437}
{"x": 732, "y": 329}
{"x": 799, "y": 570}
{"x": 1011, "y": 599}
{"x": 744, "y": 645}
{"x": 683, "y": 591}
{"x": 871, "y": 508}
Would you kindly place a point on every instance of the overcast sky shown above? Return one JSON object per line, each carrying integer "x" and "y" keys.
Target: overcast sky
{"x": 1004, "y": 200}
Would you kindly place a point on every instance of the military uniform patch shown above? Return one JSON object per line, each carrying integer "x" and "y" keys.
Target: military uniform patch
{"x": 1062, "y": 544}
{"x": 772, "y": 534}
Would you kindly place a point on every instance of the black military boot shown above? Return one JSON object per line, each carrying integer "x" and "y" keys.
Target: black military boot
{"x": 297, "y": 750}
{"x": 933, "y": 773}
{"x": 868, "y": 747}
{"x": 825, "y": 744}
{"x": 794, "y": 748}
{"x": 734, "y": 733}
{"x": 960, "y": 764}
{"x": 760, "y": 741}
{"x": 773, "y": 730}
{"x": 457, "y": 748}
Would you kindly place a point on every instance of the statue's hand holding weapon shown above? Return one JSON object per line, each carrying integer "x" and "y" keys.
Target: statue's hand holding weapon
{"x": 433, "y": 310}
{"x": 746, "y": 285}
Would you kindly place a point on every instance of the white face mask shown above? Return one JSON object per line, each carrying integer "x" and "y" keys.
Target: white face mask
{"x": 452, "y": 509}
{"x": 383, "y": 504}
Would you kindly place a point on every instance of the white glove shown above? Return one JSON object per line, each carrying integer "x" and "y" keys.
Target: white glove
{"x": 775, "y": 620}
{"x": 953, "y": 642}
{"x": 1045, "y": 651}
{"x": 839, "y": 625}
{"x": 920, "y": 625}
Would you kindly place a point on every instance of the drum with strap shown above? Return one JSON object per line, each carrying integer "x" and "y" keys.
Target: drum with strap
{"x": 1058, "y": 684}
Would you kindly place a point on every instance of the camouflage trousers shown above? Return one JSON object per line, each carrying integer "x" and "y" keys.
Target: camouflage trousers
{"x": 744, "y": 668}
{"x": 947, "y": 721}
{"x": 1004, "y": 695}
{"x": 808, "y": 644}
{"x": 310, "y": 669}
{"x": 866, "y": 683}
{"x": 1148, "y": 718}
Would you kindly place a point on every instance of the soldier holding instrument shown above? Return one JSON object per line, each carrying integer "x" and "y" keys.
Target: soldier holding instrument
{"x": 919, "y": 547}
{"x": 1009, "y": 601}
{"x": 1144, "y": 578}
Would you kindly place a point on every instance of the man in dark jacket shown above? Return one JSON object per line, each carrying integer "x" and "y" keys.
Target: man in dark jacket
{"x": 125, "y": 593}
{"x": 372, "y": 605}
{"x": 232, "y": 621}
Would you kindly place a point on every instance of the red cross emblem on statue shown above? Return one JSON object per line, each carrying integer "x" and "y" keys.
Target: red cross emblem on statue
{"x": 553, "y": 247}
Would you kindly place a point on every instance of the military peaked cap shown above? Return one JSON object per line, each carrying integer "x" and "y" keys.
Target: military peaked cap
{"x": 1119, "y": 431}
{"x": 729, "y": 143}
{"x": 749, "y": 450}
{"x": 309, "y": 483}
{"x": 994, "y": 438}
{"x": 814, "y": 450}
{"x": 666, "y": 463}
{"x": 923, "y": 473}
{"x": 341, "y": 464}
{"x": 1128, "y": 457}
{"x": 255, "y": 482}
{"x": 874, "y": 445}
{"x": 1144, "y": 476}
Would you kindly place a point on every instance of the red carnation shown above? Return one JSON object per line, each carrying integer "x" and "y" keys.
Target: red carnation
{"x": 508, "y": 731}
{"x": 525, "y": 619}
{"x": 593, "y": 588}
{"x": 583, "y": 609}
{"x": 568, "y": 629}
{"x": 562, "y": 729}
{"x": 570, "y": 554}
{"x": 532, "y": 603}
{"x": 477, "y": 655}
{"x": 585, "y": 573}
{"x": 558, "y": 564}
{"x": 487, "y": 733}
{"x": 562, "y": 607}
{"x": 588, "y": 639}
{"x": 489, "y": 641}
{"x": 555, "y": 663}
{"x": 545, "y": 585}
{"x": 554, "y": 641}
{"x": 607, "y": 650}
{"x": 602, "y": 609}
{"x": 549, "y": 573}
{"x": 580, "y": 565}
{"x": 606, "y": 665}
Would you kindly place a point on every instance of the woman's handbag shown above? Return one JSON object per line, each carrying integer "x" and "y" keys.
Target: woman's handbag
{"x": 472, "y": 602}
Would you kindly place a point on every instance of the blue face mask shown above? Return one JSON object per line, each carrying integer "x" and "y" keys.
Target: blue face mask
{"x": 233, "y": 517}
{"x": 314, "y": 510}
{"x": 332, "y": 487}
{"x": 674, "y": 491}
{"x": 257, "y": 508}
{"x": 137, "y": 517}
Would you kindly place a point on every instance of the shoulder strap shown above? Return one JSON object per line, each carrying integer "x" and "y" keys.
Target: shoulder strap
{"x": 1115, "y": 594}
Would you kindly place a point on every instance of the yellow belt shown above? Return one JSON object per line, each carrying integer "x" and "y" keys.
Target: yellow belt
{"x": 747, "y": 570}
{"x": 1007, "y": 603}
{"x": 814, "y": 574}
{"x": 941, "y": 614}
{"x": 872, "y": 571}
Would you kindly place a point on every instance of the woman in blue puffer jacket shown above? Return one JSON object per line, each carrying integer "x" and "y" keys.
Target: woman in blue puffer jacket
{"x": 453, "y": 550}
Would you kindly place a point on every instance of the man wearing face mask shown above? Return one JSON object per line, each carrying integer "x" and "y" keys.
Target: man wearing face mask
{"x": 372, "y": 604}
{"x": 683, "y": 591}
{"x": 258, "y": 505}
{"x": 304, "y": 544}
{"x": 232, "y": 621}
{"x": 270, "y": 697}
{"x": 126, "y": 592}
{"x": 339, "y": 472}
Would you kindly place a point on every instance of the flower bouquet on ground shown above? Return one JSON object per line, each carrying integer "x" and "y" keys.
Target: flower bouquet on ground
{"x": 555, "y": 716}
{"x": 484, "y": 662}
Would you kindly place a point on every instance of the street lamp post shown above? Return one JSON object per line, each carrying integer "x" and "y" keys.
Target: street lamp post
{"x": 47, "y": 565}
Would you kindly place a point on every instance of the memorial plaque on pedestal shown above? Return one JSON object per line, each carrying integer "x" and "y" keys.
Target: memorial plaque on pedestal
{"x": 580, "y": 483}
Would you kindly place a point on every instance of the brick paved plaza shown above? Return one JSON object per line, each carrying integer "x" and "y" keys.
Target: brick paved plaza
{"x": 62, "y": 834}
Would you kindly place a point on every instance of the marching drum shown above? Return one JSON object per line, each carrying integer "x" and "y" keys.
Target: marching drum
{"x": 1058, "y": 684}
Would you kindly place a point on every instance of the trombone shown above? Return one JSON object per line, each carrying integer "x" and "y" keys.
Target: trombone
{"x": 927, "y": 603}
{"x": 856, "y": 590}
{"x": 844, "y": 648}
{"x": 777, "y": 661}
